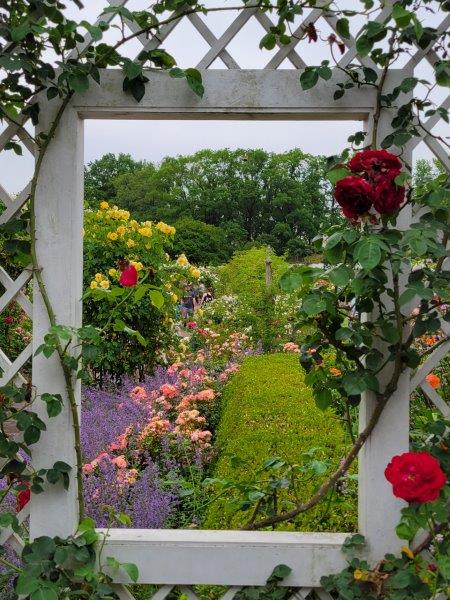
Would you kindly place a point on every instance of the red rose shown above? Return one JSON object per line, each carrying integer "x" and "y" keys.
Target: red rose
{"x": 191, "y": 325}
{"x": 415, "y": 477}
{"x": 8, "y": 320}
{"x": 23, "y": 498}
{"x": 129, "y": 276}
{"x": 375, "y": 164}
{"x": 388, "y": 196}
{"x": 354, "y": 195}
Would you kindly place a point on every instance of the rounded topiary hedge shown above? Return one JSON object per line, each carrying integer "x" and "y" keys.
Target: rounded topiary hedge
{"x": 269, "y": 411}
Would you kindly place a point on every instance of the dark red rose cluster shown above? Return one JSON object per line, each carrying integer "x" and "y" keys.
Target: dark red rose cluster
{"x": 371, "y": 185}
{"x": 416, "y": 477}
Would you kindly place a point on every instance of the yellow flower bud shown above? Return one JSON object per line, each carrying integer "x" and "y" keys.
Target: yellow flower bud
{"x": 112, "y": 272}
{"x": 408, "y": 552}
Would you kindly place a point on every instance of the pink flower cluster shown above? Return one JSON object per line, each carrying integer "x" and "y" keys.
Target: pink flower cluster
{"x": 291, "y": 347}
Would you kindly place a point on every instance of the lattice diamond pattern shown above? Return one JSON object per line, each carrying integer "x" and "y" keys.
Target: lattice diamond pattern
{"x": 163, "y": 592}
{"x": 217, "y": 49}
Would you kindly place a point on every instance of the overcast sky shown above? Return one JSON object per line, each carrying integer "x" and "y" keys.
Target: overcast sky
{"x": 153, "y": 140}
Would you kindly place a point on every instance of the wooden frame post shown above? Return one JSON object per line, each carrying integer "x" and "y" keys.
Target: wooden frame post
{"x": 59, "y": 247}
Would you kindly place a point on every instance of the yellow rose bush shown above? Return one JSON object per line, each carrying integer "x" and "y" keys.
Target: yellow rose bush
{"x": 135, "y": 319}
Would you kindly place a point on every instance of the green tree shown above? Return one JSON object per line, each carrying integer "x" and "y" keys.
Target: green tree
{"x": 254, "y": 195}
{"x": 99, "y": 176}
{"x": 202, "y": 243}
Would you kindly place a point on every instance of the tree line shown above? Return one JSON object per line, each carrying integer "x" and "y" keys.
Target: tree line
{"x": 223, "y": 200}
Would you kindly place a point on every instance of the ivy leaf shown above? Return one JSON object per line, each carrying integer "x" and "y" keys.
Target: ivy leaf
{"x": 343, "y": 29}
{"x": 401, "y": 16}
{"x": 363, "y": 45}
{"x": 132, "y": 69}
{"x": 309, "y": 78}
{"x": 194, "y": 80}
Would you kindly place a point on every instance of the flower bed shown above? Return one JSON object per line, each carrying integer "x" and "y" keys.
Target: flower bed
{"x": 147, "y": 447}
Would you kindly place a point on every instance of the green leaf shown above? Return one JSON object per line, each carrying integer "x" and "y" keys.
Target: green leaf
{"x": 354, "y": 383}
{"x": 157, "y": 298}
{"x": 279, "y": 573}
{"x": 309, "y": 78}
{"x": 333, "y": 240}
{"x": 44, "y": 593}
{"x": 323, "y": 398}
{"x": 194, "y": 80}
{"x": 368, "y": 253}
{"x": 343, "y": 29}
{"x": 26, "y": 585}
{"x": 336, "y": 174}
{"x": 131, "y": 69}
{"x": 364, "y": 45}
{"x": 313, "y": 305}
{"x": 79, "y": 83}
{"x": 390, "y": 333}
{"x": 340, "y": 275}
{"x": 131, "y": 570}
{"x": 401, "y": 16}
{"x": 325, "y": 72}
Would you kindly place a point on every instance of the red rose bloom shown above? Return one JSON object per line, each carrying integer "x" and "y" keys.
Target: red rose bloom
{"x": 23, "y": 498}
{"x": 8, "y": 320}
{"x": 129, "y": 276}
{"x": 191, "y": 325}
{"x": 375, "y": 164}
{"x": 388, "y": 196}
{"x": 354, "y": 195}
{"x": 416, "y": 477}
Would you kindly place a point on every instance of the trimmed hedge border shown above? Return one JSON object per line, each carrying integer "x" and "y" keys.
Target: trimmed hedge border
{"x": 269, "y": 411}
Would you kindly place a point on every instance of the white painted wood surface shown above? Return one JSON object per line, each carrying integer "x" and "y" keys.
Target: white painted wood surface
{"x": 237, "y": 558}
{"x": 59, "y": 244}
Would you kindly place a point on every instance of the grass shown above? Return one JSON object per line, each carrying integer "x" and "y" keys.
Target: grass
{"x": 268, "y": 411}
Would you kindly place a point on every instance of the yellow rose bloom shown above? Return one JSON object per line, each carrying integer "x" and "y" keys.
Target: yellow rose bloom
{"x": 121, "y": 230}
{"x": 104, "y": 205}
{"x": 125, "y": 215}
{"x": 130, "y": 243}
{"x": 182, "y": 261}
{"x": 137, "y": 265}
{"x": 408, "y": 552}
{"x": 104, "y": 284}
{"x": 94, "y": 284}
{"x": 195, "y": 272}
{"x": 112, "y": 235}
{"x": 145, "y": 231}
{"x": 112, "y": 272}
{"x": 99, "y": 277}
{"x": 164, "y": 228}
{"x": 134, "y": 224}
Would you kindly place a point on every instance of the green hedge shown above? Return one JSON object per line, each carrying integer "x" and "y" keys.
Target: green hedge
{"x": 269, "y": 411}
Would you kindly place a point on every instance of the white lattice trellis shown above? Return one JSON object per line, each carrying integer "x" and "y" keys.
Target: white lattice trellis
{"x": 182, "y": 559}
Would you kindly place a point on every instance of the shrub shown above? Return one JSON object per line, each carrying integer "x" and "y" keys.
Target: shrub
{"x": 203, "y": 244}
{"x": 268, "y": 411}
{"x": 244, "y": 275}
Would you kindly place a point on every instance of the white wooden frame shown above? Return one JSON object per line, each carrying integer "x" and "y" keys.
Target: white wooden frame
{"x": 186, "y": 557}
